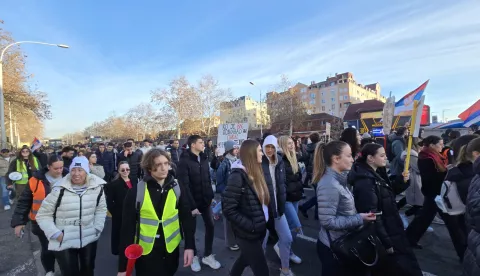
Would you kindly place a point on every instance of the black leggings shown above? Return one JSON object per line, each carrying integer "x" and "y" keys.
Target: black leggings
{"x": 251, "y": 254}
{"x": 77, "y": 261}
{"x": 46, "y": 256}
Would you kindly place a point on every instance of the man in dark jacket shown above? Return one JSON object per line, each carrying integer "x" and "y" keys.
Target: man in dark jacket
{"x": 133, "y": 159}
{"x": 314, "y": 139}
{"x": 175, "y": 151}
{"x": 106, "y": 159}
{"x": 398, "y": 146}
{"x": 67, "y": 156}
{"x": 194, "y": 174}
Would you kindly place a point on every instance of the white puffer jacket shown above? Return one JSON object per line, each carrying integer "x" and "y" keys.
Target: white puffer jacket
{"x": 78, "y": 216}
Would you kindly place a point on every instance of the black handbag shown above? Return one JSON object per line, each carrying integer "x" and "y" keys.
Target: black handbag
{"x": 360, "y": 247}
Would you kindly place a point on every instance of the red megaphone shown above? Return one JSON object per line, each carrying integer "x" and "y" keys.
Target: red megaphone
{"x": 132, "y": 252}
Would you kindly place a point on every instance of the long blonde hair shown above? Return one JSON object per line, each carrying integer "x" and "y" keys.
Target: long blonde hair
{"x": 248, "y": 156}
{"x": 290, "y": 154}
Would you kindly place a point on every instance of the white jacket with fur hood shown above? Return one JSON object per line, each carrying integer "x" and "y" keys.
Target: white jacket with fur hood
{"x": 78, "y": 216}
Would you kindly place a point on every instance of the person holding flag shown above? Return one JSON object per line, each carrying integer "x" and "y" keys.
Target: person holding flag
{"x": 26, "y": 164}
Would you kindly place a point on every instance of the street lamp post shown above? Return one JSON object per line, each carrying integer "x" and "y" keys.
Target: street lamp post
{"x": 261, "y": 111}
{"x": 2, "y": 107}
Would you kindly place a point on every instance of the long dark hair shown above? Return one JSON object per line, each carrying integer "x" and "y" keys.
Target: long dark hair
{"x": 368, "y": 149}
{"x": 322, "y": 157}
{"x": 459, "y": 146}
{"x": 31, "y": 158}
{"x": 349, "y": 136}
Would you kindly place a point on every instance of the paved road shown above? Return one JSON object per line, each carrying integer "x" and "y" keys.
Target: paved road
{"x": 437, "y": 257}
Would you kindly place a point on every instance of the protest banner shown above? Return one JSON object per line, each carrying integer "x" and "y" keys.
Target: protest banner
{"x": 237, "y": 132}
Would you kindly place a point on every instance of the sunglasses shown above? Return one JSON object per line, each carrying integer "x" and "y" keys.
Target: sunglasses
{"x": 26, "y": 151}
{"x": 125, "y": 170}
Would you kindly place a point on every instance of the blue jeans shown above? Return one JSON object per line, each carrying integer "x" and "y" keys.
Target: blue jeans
{"x": 284, "y": 240}
{"x": 291, "y": 213}
{"x": 5, "y": 192}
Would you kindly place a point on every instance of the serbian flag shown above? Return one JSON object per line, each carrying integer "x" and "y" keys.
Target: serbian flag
{"x": 36, "y": 144}
{"x": 404, "y": 106}
{"x": 470, "y": 111}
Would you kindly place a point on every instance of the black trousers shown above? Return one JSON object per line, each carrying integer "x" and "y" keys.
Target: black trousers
{"x": 77, "y": 261}
{"x": 47, "y": 257}
{"x": 455, "y": 225}
{"x": 158, "y": 263}
{"x": 331, "y": 267}
{"x": 115, "y": 237}
{"x": 251, "y": 254}
{"x": 207, "y": 217}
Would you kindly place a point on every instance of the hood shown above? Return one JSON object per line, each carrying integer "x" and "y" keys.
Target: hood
{"x": 412, "y": 153}
{"x": 270, "y": 140}
{"x": 238, "y": 165}
{"x": 311, "y": 148}
{"x": 460, "y": 172}
{"x": 359, "y": 171}
{"x": 476, "y": 166}
{"x": 93, "y": 181}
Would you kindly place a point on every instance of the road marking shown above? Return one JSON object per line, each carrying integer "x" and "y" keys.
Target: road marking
{"x": 23, "y": 267}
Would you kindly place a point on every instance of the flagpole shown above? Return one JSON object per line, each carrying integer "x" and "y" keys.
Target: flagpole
{"x": 410, "y": 136}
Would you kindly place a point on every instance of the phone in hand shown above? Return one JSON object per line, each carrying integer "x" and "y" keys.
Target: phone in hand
{"x": 378, "y": 213}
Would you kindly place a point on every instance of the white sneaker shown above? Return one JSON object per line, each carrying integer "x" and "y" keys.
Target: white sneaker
{"x": 234, "y": 248}
{"x": 50, "y": 273}
{"x": 295, "y": 259}
{"x": 277, "y": 249}
{"x": 211, "y": 262}
{"x": 438, "y": 220}
{"x": 6, "y": 207}
{"x": 195, "y": 265}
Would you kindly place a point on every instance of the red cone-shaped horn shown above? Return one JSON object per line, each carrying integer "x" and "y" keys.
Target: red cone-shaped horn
{"x": 132, "y": 252}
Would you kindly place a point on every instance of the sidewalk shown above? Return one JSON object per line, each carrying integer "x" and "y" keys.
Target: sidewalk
{"x": 16, "y": 258}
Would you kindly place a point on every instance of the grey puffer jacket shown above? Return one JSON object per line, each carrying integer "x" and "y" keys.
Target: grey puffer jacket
{"x": 336, "y": 207}
{"x": 471, "y": 261}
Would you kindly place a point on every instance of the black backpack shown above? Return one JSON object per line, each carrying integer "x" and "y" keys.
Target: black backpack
{"x": 60, "y": 196}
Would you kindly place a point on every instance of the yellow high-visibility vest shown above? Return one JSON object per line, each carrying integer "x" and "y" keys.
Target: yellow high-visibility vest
{"x": 21, "y": 168}
{"x": 149, "y": 221}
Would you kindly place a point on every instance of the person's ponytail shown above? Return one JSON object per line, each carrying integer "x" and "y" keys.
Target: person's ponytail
{"x": 462, "y": 156}
{"x": 318, "y": 163}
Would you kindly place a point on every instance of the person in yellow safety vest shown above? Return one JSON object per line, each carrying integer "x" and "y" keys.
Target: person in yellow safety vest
{"x": 26, "y": 164}
{"x": 164, "y": 215}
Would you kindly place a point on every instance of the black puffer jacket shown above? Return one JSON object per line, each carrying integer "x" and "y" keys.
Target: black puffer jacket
{"x": 432, "y": 178}
{"x": 372, "y": 192}
{"x": 241, "y": 206}
{"x": 276, "y": 207}
{"x": 195, "y": 176}
{"x": 471, "y": 261}
{"x": 462, "y": 175}
{"x": 293, "y": 182}
{"x": 309, "y": 164}
{"x": 133, "y": 160}
{"x": 24, "y": 204}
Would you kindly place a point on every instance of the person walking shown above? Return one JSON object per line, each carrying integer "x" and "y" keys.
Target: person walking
{"x": 314, "y": 139}
{"x": 106, "y": 158}
{"x": 26, "y": 164}
{"x": 433, "y": 170}
{"x": 95, "y": 168}
{"x": 133, "y": 158}
{"x": 373, "y": 192}
{"x": 156, "y": 212}
{"x": 245, "y": 204}
{"x": 72, "y": 217}
{"x": 194, "y": 174}
{"x": 4, "y": 165}
{"x": 471, "y": 261}
{"x": 116, "y": 192}
{"x": 294, "y": 190}
{"x": 223, "y": 172}
{"x": 336, "y": 205}
{"x": 29, "y": 202}
{"x": 175, "y": 151}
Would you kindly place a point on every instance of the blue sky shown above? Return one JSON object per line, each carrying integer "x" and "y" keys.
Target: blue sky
{"x": 121, "y": 50}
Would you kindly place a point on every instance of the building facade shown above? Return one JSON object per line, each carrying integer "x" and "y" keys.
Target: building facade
{"x": 245, "y": 110}
{"x": 335, "y": 94}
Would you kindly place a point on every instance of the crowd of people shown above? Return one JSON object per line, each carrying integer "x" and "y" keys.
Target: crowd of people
{"x": 154, "y": 193}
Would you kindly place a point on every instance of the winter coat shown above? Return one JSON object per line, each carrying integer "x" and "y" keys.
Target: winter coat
{"x": 42, "y": 158}
{"x": 133, "y": 160}
{"x": 79, "y": 217}
{"x": 97, "y": 170}
{"x": 373, "y": 191}
{"x": 242, "y": 207}
{"x": 209, "y": 152}
{"x": 413, "y": 193}
{"x": 116, "y": 192}
{"x": 309, "y": 164}
{"x": 67, "y": 162}
{"x": 462, "y": 175}
{"x": 293, "y": 181}
{"x": 432, "y": 179}
{"x": 222, "y": 174}
{"x": 471, "y": 260}
{"x": 107, "y": 160}
{"x": 175, "y": 153}
{"x": 277, "y": 204}
{"x": 398, "y": 146}
{"x": 4, "y": 165}
{"x": 336, "y": 207}
{"x": 195, "y": 176}
{"x": 25, "y": 201}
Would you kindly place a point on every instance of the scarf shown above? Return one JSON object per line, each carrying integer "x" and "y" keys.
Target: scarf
{"x": 438, "y": 159}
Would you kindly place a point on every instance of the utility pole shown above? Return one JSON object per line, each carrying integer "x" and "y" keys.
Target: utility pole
{"x": 11, "y": 125}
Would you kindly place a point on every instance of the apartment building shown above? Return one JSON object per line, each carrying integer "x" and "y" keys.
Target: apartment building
{"x": 245, "y": 110}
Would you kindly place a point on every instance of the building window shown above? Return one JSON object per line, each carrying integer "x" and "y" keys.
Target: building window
{"x": 340, "y": 105}
{"x": 332, "y": 83}
{"x": 323, "y": 101}
{"x": 333, "y": 106}
{"x": 312, "y": 96}
{"x": 345, "y": 97}
{"x": 333, "y": 99}
{"x": 323, "y": 108}
{"x": 303, "y": 90}
{"x": 312, "y": 101}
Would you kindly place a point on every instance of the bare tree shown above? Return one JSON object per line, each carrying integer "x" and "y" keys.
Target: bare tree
{"x": 286, "y": 104}
{"x": 211, "y": 97}
{"x": 142, "y": 118}
{"x": 179, "y": 100}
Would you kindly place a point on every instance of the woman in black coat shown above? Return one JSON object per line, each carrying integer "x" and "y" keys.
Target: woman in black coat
{"x": 373, "y": 192}
{"x": 116, "y": 192}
